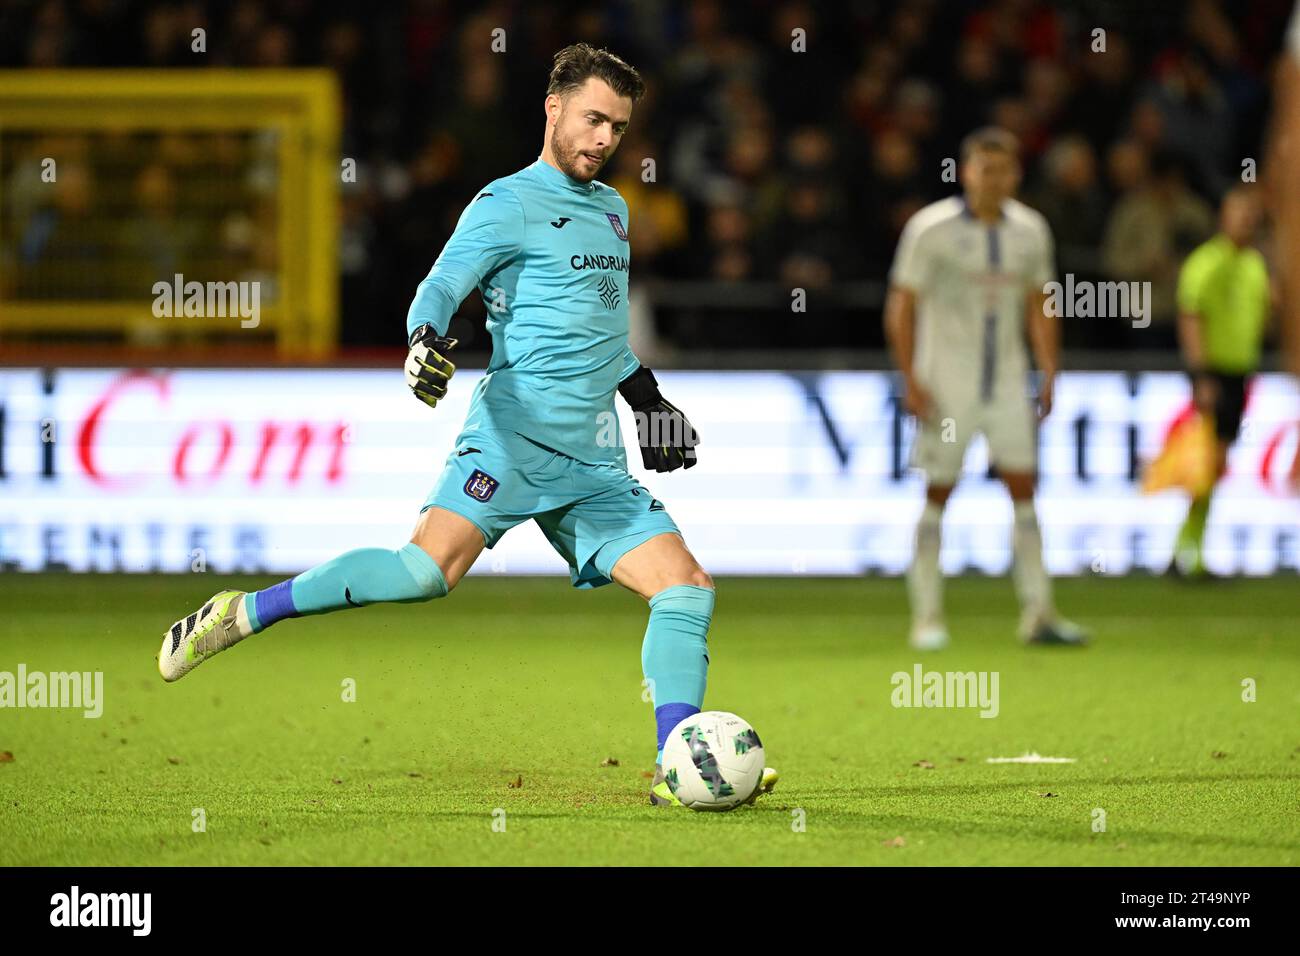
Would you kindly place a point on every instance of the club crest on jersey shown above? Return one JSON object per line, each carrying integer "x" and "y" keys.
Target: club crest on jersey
{"x": 481, "y": 486}
{"x": 617, "y": 223}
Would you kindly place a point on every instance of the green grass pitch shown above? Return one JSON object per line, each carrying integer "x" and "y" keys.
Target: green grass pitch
{"x": 524, "y": 681}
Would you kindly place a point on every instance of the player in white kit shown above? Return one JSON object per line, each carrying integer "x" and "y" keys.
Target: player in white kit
{"x": 967, "y": 283}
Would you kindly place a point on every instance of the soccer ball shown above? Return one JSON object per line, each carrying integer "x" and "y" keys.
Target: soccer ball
{"x": 713, "y": 761}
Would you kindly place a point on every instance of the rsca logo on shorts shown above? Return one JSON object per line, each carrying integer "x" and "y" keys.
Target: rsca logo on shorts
{"x": 481, "y": 486}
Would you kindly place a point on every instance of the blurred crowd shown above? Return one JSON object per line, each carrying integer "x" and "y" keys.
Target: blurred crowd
{"x": 129, "y": 208}
{"x": 782, "y": 166}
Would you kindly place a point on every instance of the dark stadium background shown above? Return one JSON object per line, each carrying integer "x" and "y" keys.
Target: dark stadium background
{"x": 150, "y": 456}
{"x": 775, "y": 169}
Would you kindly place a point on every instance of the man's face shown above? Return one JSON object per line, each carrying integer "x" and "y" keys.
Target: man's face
{"x": 990, "y": 176}
{"x": 1240, "y": 217}
{"x": 586, "y": 127}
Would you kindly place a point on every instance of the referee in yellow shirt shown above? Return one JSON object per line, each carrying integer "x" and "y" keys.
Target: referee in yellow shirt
{"x": 1224, "y": 300}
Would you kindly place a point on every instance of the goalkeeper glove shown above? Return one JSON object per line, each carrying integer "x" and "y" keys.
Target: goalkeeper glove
{"x": 427, "y": 368}
{"x": 667, "y": 439}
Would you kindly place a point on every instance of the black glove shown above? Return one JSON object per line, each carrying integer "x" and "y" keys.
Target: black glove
{"x": 427, "y": 368}
{"x": 667, "y": 439}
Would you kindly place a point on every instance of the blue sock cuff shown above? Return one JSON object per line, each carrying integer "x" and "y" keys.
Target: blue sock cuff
{"x": 273, "y": 604}
{"x": 668, "y": 716}
{"x": 423, "y": 568}
{"x": 685, "y": 597}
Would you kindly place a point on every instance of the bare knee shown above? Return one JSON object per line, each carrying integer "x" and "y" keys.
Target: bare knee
{"x": 451, "y": 541}
{"x": 666, "y": 578}
{"x": 699, "y": 578}
{"x": 938, "y": 494}
{"x": 658, "y": 564}
{"x": 1019, "y": 484}
{"x": 452, "y": 577}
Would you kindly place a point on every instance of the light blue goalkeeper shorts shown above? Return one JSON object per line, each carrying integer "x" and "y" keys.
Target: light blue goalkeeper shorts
{"x": 591, "y": 514}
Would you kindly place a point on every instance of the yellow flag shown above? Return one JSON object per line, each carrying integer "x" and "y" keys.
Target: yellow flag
{"x": 1186, "y": 461}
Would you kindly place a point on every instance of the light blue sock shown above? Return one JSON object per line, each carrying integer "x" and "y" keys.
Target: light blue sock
{"x": 354, "y": 579}
{"x": 675, "y": 655}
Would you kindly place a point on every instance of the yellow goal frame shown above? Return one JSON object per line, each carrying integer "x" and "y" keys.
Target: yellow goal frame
{"x": 301, "y": 105}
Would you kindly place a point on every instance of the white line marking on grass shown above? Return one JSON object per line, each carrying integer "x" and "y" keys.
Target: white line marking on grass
{"x": 1030, "y": 758}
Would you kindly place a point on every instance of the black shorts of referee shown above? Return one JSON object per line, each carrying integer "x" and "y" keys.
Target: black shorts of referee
{"x": 1229, "y": 401}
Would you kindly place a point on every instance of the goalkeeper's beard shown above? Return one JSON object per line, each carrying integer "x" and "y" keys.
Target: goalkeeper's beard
{"x": 568, "y": 156}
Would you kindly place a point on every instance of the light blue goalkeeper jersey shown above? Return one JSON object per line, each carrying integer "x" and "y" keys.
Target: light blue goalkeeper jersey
{"x": 550, "y": 256}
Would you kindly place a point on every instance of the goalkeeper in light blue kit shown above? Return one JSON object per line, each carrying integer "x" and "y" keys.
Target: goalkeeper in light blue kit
{"x": 547, "y": 248}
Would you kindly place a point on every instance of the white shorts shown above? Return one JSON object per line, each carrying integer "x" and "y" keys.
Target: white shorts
{"x": 1008, "y": 422}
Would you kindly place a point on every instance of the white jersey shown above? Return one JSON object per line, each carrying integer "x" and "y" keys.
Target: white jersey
{"x": 971, "y": 280}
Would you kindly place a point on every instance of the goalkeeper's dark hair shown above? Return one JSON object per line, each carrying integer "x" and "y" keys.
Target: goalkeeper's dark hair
{"x": 990, "y": 139}
{"x": 577, "y": 63}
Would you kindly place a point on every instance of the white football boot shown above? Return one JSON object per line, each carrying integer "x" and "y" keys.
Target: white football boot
{"x": 928, "y": 637}
{"x": 1051, "y": 630}
{"x": 209, "y": 630}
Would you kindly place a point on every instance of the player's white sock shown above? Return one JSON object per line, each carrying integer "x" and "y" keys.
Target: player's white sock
{"x": 1033, "y": 586}
{"x": 242, "y": 622}
{"x": 924, "y": 582}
